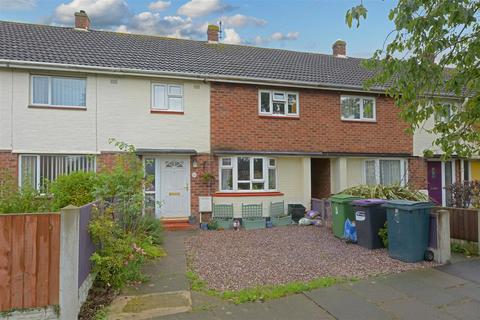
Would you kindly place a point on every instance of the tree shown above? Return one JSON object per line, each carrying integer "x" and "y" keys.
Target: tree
{"x": 432, "y": 55}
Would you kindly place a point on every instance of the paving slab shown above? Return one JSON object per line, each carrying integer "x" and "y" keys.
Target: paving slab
{"x": 345, "y": 304}
{"x": 414, "y": 309}
{"x": 470, "y": 290}
{"x": 411, "y": 285}
{"x": 468, "y": 270}
{"x": 466, "y": 310}
{"x": 297, "y": 306}
{"x": 374, "y": 291}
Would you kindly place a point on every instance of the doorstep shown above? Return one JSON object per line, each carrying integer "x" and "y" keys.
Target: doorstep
{"x": 176, "y": 224}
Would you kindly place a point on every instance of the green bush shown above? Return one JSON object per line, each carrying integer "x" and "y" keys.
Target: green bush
{"x": 383, "y": 234}
{"x": 395, "y": 191}
{"x": 76, "y": 189}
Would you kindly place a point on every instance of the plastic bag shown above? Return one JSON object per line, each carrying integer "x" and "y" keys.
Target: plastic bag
{"x": 312, "y": 214}
{"x": 305, "y": 222}
{"x": 350, "y": 231}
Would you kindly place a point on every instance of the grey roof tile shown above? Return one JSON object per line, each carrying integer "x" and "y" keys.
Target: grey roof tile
{"x": 41, "y": 43}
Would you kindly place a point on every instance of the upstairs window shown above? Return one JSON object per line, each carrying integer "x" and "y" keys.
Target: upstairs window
{"x": 55, "y": 91}
{"x": 167, "y": 97}
{"x": 278, "y": 103}
{"x": 444, "y": 112}
{"x": 358, "y": 108}
{"x": 248, "y": 174}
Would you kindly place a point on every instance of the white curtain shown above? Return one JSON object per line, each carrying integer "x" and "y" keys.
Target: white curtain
{"x": 29, "y": 171}
{"x": 390, "y": 172}
{"x": 68, "y": 92}
{"x": 370, "y": 177}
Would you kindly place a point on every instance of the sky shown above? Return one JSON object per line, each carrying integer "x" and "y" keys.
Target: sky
{"x": 302, "y": 25}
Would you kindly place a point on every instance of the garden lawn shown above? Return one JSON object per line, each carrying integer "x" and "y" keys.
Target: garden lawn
{"x": 229, "y": 260}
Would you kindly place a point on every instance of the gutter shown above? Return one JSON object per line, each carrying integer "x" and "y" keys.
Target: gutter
{"x": 310, "y": 154}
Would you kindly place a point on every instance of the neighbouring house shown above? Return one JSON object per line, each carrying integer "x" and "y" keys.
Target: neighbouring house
{"x": 238, "y": 123}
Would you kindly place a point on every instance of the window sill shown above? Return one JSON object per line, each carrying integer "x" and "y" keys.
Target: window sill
{"x": 359, "y": 120}
{"x": 279, "y": 117}
{"x": 32, "y": 106}
{"x": 248, "y": 194}
{"x": 167, "y": 112}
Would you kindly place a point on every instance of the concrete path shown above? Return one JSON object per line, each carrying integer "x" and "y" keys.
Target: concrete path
{"x": 168, "y": 290}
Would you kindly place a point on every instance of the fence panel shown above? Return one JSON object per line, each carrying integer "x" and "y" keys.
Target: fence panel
{"x": 29, "y": 260}
{"x": 463, "y": 223}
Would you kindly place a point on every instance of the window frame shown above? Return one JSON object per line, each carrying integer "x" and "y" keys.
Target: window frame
{"x": 49, "y": 104}
{"x": 439, "y": 118}
{"x": 234, "y": 167}
{"x": 167, "y": 87}
{"x": 271, "y": 93}
{"x": 403, "y": 170}
{"x": 362, "y": 118}
{"x": 38, "y": 178}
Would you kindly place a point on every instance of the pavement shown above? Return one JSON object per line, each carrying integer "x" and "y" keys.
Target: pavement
{"x": 447, "y": 292}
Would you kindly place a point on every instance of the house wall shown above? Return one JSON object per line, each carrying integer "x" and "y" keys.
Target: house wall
{"x": 118, "y": 110}
{"x": 293, "y": 174}
{"x": 236, "y": 124}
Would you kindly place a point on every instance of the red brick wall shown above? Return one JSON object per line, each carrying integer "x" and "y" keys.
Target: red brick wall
{"x": 9, "y": 166}
{"x": 320, "y": 178}
{"x": 236, "y": 125}
{"x": 417, "y": 173}
{"x": 205, "y": 163}
{"x": 106, "y": 160}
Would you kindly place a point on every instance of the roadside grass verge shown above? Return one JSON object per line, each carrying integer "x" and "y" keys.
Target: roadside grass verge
{"x": 262, "y": 293}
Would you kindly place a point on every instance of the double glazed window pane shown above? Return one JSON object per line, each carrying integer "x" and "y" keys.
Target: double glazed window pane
{"x": 243, "y": 164}
{"x": 350, "y": 108}
{"x": 292, "y": 104}
{"x": 68, "y": 92}
{"x": 257, "y": 168}
{"x": 272, "y": 179}
{"x": 278, "y": 108}
{"x": 370, "y": 176}
{"x": 227, "y": 179}
{"x": 368, "y": 108}
{"x": 150, "y": 174}
{"x": 40, "y": 90}
{"x": 390, "y": 172}
{"x": 159, "y": 97}
{"x": 265, "y": 102}
{"x": 29, "y": 171}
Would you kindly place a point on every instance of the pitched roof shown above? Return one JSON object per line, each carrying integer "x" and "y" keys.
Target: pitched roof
{"x": 61, "y": 45}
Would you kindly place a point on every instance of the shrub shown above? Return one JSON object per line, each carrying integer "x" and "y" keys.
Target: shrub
{"x": 386, "y": 192}
{"x": 76, "y": 189}
{"x": 383, "y": 234}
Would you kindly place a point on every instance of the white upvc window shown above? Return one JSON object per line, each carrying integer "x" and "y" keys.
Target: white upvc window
{"x": 36, "y": 170}
{"x": 55, "y": 91}
{"x": 167, "y": 97}
{"x": 385, "y": 171}
{"x": 278, "y": 103}
{"x": 445, "y": 112}
{"x": 246, "y": 173}
{"x": 358, "y": 108}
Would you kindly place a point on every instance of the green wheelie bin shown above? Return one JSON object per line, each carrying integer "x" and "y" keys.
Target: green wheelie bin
{"x": 341, "y": 210}
{"x": 408, "y": 229}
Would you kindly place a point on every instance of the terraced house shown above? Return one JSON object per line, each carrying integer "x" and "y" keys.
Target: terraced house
{"x": 237, "y": 123}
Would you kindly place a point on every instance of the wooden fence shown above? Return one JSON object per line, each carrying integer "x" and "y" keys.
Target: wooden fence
{"x": 29, "y": 260}
{"x": 463, "y": 223}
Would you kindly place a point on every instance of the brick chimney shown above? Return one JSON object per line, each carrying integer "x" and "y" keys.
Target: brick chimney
{"x": 340, "y": 49}
{"x": 82, "y": 22}
{"x": 212, "y": 33}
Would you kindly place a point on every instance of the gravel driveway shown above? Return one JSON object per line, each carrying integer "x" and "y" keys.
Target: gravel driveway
{"x": 230, "y": 260}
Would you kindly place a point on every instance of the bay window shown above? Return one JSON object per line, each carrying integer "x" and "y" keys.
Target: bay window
{"x": 37, "y": 170}
{"x": 248, "y": 174}
{"x": 385, "y": 171}
{"x": 58, "y": 91}
{"x": 278, "y": 103}
{"x": 358, "y": 108}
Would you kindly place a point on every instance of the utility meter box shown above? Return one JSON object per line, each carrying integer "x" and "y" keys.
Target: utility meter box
{"x": 205, "y": 204}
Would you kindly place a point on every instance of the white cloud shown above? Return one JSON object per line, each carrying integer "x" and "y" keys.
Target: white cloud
{"x": 200, "y": 8}
{"x": 170, "y": 26}
{"x": 231, "y": 36}
{"x": 102, "y": 13}
{"x": 278, "y": 36}
{"x": 240, "y": 21}
{"x": 159, "y": 5}
{"x": 17, "y": 4}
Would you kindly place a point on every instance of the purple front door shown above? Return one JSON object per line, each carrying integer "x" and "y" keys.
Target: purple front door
{"x": 435, "y": 181}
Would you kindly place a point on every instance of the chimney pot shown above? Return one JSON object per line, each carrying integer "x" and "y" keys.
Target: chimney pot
{"x": 82, "y": 22}
{"x": 212, "y": 33}
{"x": 340, "y": 49}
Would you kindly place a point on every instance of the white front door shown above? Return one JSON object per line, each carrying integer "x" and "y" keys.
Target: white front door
{"x": 173, "y": 191}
